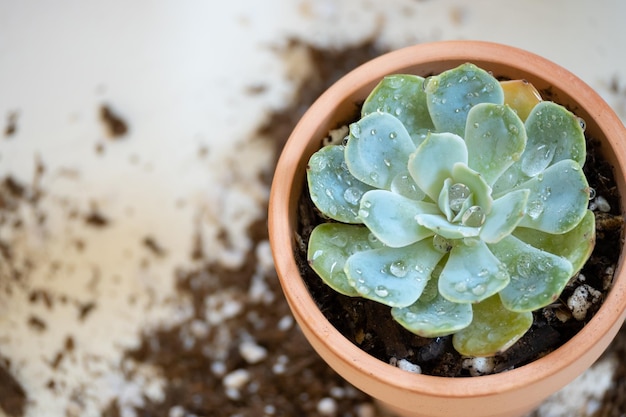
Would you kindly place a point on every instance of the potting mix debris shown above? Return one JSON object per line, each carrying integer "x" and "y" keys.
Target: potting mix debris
{"x": 220, "y": 340}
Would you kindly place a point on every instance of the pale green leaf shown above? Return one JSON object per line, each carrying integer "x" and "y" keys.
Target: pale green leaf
{"x": 378, "y": 149}
{"x": 471, "y": 274}
{"x": 493, "y": 330}
{"x": 433, "y": 160}
{"x": 403, "y": 96}
{"x": 434, "y": 317}
{"x": 391, "y": 217}
{"x": 506, "y": 213}
{"x": 334, "y": 191}
{"x": 451, "y": 95}
{"x": 537, "y": 277}
{"x": 575, "y": 246}
{"x": 558, "y": 198}
{"x": 393, "y": 276}
{"x": 495, "y": 138}
{"x": 330, "y": 245}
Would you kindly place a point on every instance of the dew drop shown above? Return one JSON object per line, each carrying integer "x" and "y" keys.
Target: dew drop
{"x": 373, "y": 132}
{"x": 582, "y": 123}
{"x": 374, "y": 176}
{"x": 393, "y": 135}
{"x": 395, "y": 81}
{"x": 372, "y": 239}
{"x": 441, "y": 244}
{"x": 592, "y": 193}
{"x": 317, "y": 254}
{"x": 387, "y": 162}
{"x": 523, "y": 266}
{"x": 352, "y": 195}
{"x": 363, "y": 214}
{"x": 398, "y": 269}
{"x": 537, "y": 160}
{"x": 534, "y": 209}
{"x": 381, "y": 291}
{"x": 479, "y": 290}
{"x": 460, "y": 287}
{"x": 457, "y": 194}
{"x": 473, "y": 217}
{"x": 339, "y": 240}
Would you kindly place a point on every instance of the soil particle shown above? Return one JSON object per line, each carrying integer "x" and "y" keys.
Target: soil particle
{"x": 12, "y": 395}
{"x": 115, "y": 126}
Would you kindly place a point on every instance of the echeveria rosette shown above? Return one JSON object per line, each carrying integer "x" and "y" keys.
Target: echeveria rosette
{"x": 459, "y": 203}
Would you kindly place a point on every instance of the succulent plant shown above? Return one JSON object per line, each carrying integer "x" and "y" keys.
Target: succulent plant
{"x": 457, "y": 200}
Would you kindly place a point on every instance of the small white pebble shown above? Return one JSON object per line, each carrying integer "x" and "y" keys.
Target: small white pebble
{"x": 269, "y": 409}
{"x": 581, "y": 300}
{"x": 602, "y": 204}
{"x": 337, "y": 392}
{"x": 251, "y": 352}
{"x": 281, "y": 365}
{"x": 479, "y": 365}
{"x": 285, "y": 323}
{"x": 218, "y": 368}
{"x": 177, "y": 411}
{"x": 327, "y": 406}
{"x": 409, "y": 366}
{"x": 236, "y": 379}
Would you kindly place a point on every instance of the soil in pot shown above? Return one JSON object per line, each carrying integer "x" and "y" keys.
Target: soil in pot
{"x": 369, "y": 325}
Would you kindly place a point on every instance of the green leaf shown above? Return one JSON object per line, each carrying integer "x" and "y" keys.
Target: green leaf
{"x": 378, "y": 149}
{"x": 441, "y": 226}
{"x": 493, "y": 330}
{"x": 558, "y": 198}
{"x": 433, "y": 160}
{"x": 433, "y": 317}
{"x": 451, "y": 95}
{"x": 393, "y": 276}
{"x": 402, "y": 96}
{"x": 330, "y": 245}
{"x": 575, "y": 246}
{"x": 481, "y": 191}
{"x": 495, "y": 138}
{"x": 553, "y": 134}
{"x": 391, "y": 217}
{"x": 505, "y": 215}
{"x": 471, "y": 274}
{"x": 334, "y": 191}
{"x": 537, "y": 277}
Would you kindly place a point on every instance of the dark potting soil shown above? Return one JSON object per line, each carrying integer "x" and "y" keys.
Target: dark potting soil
{"x": 369, "y": 324}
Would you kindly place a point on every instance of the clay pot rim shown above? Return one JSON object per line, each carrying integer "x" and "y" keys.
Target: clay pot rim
{"x": 310, "y": 318}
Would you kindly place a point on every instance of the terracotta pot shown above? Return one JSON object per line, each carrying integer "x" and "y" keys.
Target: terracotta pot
{"x": 507, "y": 394}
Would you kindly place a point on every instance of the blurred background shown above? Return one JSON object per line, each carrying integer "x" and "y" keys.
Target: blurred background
{"x": 137, "y": 142}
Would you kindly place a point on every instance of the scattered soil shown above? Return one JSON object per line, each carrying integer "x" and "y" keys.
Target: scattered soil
{"x": 12, "y": 395}
{"x": 11, "y": 126}
{"x": 256, "y": 362}
{"x": 116, "y": 126}
{"x": 369, "y": 325}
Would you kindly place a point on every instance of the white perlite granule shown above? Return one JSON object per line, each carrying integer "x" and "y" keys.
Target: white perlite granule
{"x": 408, "y": 366}
{"x": 327, "y": 406}
{"x": 579, "y": 302}
{"x": 251, "y": 352}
